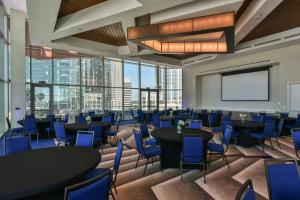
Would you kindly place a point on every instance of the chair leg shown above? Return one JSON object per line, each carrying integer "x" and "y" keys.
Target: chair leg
{"x": 203, "y": 167}
{"x": 112, "y": 194}
{"x": 137, "y": 161}
{"x": 261, "y": 145}
{"x": 271, "y": 144}
{"x": 115, "y": 188}
{"x": 226, "y": 161}
{"x": 278, "y": 143}
{"x": 37, "y": 138}
{"x": 209, "y": 159}
{"x": 145, "y": 167}
{"x": 181, "y": 170}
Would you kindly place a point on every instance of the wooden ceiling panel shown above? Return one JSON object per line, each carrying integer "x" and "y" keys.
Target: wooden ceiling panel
{"x": 112, "y": 34}
{"x": 285, "y": 17}
{"x": 71, "y": 6}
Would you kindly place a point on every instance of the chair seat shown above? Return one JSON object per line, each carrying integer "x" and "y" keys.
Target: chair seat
{"x": 152, "y": 151}
{"x": 17, "y": 130}
{"x": 110, "y": 133}
{"x": 151, "y": 142}
{"x": 216, "y": 147}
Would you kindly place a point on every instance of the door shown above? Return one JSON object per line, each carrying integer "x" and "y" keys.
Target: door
{"x": 149, "y": 99}
{"x": 42, "y": 100}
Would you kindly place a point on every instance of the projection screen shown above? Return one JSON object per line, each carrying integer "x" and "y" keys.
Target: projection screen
{"x": 247, "y": 85}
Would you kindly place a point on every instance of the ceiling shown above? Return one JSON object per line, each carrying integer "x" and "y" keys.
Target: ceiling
{"x": 99, "y": 27}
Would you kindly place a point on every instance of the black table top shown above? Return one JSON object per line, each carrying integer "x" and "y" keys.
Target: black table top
{"x": 170, "y": 134}
{"x": 83, "y": 126}
{"x": 247, "y": 124}
{"x": 38, "y": 121}
{"x": 43, "y": 170}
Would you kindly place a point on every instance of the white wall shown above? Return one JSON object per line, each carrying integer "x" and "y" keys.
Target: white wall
{"x": 287, "y": 70}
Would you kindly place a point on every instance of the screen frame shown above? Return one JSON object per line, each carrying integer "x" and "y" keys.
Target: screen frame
{"x": 245, "y": 71}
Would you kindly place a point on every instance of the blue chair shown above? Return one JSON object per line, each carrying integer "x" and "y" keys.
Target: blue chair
{"x": 246, "y": 191}
{"x": 82, "y": 119}
{"x": 16, "y": 144}
{"x": 284, "y": 115}
{"x": 226, "y": 118}
{"x": 106, "y": 119}
{"x": 141, "y": 116}
{"x": 296, "y": 139}
{"x": 98, "y": 134}
{"x": 196, "y": 124}
{"x": 212, "y": 119}
{"x": 91, "y": 113}
{"x": 165, "y": 123}
{"x": 52, "y": 119}
{"x": 144, "y": 152}
{"x": 117, "y": 162}
{"x": 156, "y": 120}
{"x": 66, "y": 118}
{"x": 30, "y": 127}
{"x": 218, "y": 149}
{"x": 267, "y": 134}
{"x": 96, "y": 188}
{"x": 113, "y": 132}
{"x": 145, "y": 134}
{"x": 85, "y": 139}
{"x": 257, "y": 118}
{"x": 277, "y": 133}
{"x": 13, "y": 130}
{"x": 60, "y": 133}
{"x": 193, "y": 153}
{"x": 283, "y": 179}
{"x": 253, "y": 114}
{"x": 296, "y": 124}
{"x": 267, "y": 118}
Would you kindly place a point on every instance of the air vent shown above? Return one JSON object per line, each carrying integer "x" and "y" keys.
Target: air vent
{"x": 292, "y": 36}
{"x": 267, "y": 42}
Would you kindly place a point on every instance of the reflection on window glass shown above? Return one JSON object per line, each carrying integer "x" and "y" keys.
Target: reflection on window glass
{"x": 92, "y": 98}
{"x": 148, "y": 76}
{"x": 27, "y": 98}
{"x": 27, "y": 65}
{"x": 162, "y": 99}
{"x": 174, "y": 99}
{"x": 66, "y": 99}
{"x": 113, "y": 99}
{"x": 112, "y": 73}
{"x": 66, "y": 68}
{"x": 41, "y": 65}
{"x": 162, "y": 77}
{"x": 131, "y": 101}
{"x": 131, "y": 75}
{"x": 174, "y": 78}
{"x": 91, "y": 71}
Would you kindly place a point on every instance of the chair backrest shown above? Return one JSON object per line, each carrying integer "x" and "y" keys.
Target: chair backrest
{"x": 279, "y": 128}
{"x": 66, "y": 118}
{"x": 112, "y": 114}
{"x": 197, "y": 124}
{"x": 29, "y": 124}
{"x": 267, "y": 118}
{"x": 298, "y": 120}
{"x": 283, "y": 179}
{"x": 212, "y": 119}
{"x": 91, "y": 113}
{"x": 269, "y": 129}
{"x": 59, "y": 129}
{"x": 156, "y": 120}
{"x": 257, "y": 118}
{"x": 85, "y": 139}
{"x": 226, "y": 117}
{"x": 96, "y": 188}
{"x": 51, "y": 117}
{"x": 106, "y": 119}
{"x": 225, "y": 123}
{"x": 141, "y": 115}
{"x": 118, "y": 157}
{"x": 144, "y": 130}
{"x": 246, "y": 191}
{"x": 98, "y": 131}
{"x": 138, "y": 142}
{"x": 165, "y": 123}
{"x": 262, "y": 113}
{"x": 118, "y": 125}
{"x": 8, "y": 123}
{"x": 227, "y": 135}
{"x": 16, "y": 144}
{"x": 192, "y": 149}
{"x": 284, "y": 115}
{"x": 253, "y": 114}
{"x": 194, "y": 115}
{"x": 296, "y": 138}
{"x": 82, "y": 119}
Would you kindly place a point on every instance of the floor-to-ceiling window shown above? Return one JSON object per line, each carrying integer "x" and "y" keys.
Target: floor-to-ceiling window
{"x": 63, "y": 82}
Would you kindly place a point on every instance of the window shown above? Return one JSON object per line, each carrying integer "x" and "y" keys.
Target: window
{"x": 41, "y": 65}
{"x": 112, "y": 73}
{"x": 113, "y": 99}
{"x": 92, "y": 98}
{"x": 66, "y": 99}
{"x": 91, "y": 71}
{"x": 27, "y": 65}
{"x": 131, "y": 75}
{"x": 148, "y": 76}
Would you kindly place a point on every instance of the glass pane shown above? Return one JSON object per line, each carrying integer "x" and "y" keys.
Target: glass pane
{"x": 174, "y": 78}
{"x": 145, "y": 103}
{"x": 66, "y": 99}
{"x": 162, "y": 99}
{"x": 112, "y": 73}
{"x": 113, "y": 99}
{"x": 131, "y": 75}
{"x": 148, "y": 76}
{"x": 153, "y": 100}
{"x": 41, "y": 65}
{"x": 27, "y": 65}
{"x": 174, "y": 99}
{"x": 162, "y": 77}
{"x": 92, "y": 98}
{"x": 91, "y": 71}
{"x": 27, "y": 100}
{"x": 42, "y": 98}
{"x": 131, "y": 101}
{"x": 66, "y": 69}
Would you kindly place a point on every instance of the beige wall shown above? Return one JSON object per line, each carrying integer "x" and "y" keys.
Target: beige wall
{"x": 286, "y": 70}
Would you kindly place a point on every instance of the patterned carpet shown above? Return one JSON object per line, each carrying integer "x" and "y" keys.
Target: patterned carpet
{"x": 222, "y": 183}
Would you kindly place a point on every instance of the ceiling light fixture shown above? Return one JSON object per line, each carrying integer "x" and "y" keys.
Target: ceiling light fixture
{"x": 206, "y": 34}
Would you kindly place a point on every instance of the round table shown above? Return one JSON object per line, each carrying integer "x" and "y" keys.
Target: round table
{"x": 171, "y": 144}
{"x": 245, "y": 128}
{"x": 73, "y": 128}
{"x": 37, "y": 172}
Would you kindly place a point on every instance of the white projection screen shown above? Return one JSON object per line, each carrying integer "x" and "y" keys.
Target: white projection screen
{"x": 246, "y": 85}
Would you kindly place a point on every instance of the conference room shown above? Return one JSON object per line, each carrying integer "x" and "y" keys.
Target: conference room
{"x": 138, "y": 99}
